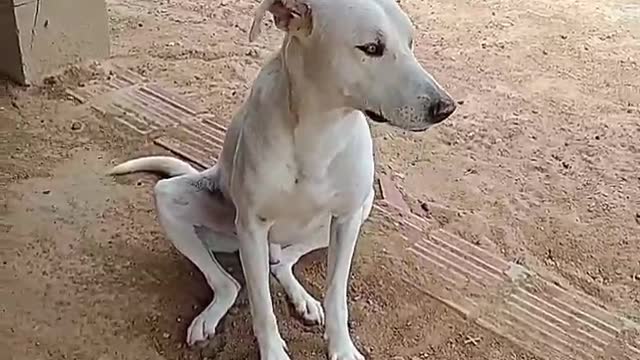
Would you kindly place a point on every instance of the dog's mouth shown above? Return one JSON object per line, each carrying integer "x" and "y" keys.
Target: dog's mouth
{"x": 376, "y": 117}
{"x": 379, "y": 118}
{"x": 421, "y": 128}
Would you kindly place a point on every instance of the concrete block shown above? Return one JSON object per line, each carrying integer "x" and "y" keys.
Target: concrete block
{"x": 38, "y": 37}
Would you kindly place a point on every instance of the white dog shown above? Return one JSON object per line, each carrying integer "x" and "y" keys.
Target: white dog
{"x": 296, "y": 170}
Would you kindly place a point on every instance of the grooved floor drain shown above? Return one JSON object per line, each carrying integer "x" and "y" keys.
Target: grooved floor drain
{"x": 549, "y": 319}
{"x": 119, "y": 78}
{"x": 503, "y": 297}
{"x": 130, "y": 100}
{"x": 145, "y": 108}
{"x": 199, "y": 140}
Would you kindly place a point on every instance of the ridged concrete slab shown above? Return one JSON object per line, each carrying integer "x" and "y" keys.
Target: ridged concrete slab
{"x": 552, "y": 321}
{"x": 128, "y": 98}
{"x": 474, "y": 276}
{"x": 390, "y": 193}
{"x": 118, "y": 78}
{"x": 411, "y": 225}
{"x": 514, "y": 302}
{"x": 199, "y": 140}
{"x": 632, "y": 351}
{"x": 145, "y": 108}
{"x": 506, "y": 298}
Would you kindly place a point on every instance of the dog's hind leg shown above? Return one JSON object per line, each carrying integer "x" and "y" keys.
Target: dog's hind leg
{"x": 305, "y": 304}
{"x": 183, "y": 213}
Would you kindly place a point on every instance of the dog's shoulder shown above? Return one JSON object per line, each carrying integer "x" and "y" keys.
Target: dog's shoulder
{"x": 270, "y": 83}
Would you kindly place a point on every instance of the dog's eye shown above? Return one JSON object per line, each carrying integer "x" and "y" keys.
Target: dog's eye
{"x": 372, "y": 49}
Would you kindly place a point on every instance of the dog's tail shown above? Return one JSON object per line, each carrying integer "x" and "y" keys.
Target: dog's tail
{"x": 165, "y": 165}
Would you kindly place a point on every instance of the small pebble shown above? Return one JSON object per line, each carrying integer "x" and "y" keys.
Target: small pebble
{"x": 253, "y": 53}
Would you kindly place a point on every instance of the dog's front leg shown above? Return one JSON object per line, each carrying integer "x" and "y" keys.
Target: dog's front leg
{"x": 254, "y": 255}
{"x": 343, "y": 237}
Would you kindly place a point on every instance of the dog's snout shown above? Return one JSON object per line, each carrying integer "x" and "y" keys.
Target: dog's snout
{"x": 441, "y": 109}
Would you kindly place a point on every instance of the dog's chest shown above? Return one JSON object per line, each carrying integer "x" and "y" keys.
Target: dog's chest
{"x": 307, "y": 189}
{"x": 303, "y": 195}
{"x": 327, "y": 167}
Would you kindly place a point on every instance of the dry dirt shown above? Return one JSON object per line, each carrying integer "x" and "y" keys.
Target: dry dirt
{"x": 542, "y": 161}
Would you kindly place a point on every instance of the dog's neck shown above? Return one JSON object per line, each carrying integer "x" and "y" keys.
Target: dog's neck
{"x": 308, "y": 101}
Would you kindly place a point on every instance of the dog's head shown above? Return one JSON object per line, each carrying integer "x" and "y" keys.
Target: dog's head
{"x": 361, "y": 53}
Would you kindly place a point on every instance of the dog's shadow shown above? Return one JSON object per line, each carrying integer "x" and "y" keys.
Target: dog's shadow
{"x": 161, "y": 292}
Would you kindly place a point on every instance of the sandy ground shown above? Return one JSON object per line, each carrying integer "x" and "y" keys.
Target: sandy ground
{"x": 541, "y": 161}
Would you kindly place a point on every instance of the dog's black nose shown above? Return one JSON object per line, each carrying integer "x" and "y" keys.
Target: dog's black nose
{"x": 441, "y": 109}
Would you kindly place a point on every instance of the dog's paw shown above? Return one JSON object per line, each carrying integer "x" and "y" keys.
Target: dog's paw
{"x": 274, "y": 350}
{"x": 202, "y": 328}
{"x": 309, "y": 309}
{"x": 345, "y": 351}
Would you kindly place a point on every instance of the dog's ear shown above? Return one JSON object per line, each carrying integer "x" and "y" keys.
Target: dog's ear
{"x": 288, "y": 15}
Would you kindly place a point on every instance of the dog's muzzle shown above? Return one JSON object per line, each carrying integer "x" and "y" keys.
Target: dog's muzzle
{"x": 418, "y": 118}
{"x": 441, "y": 109}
